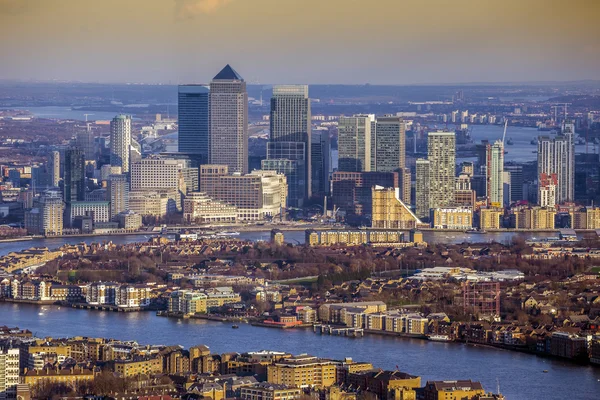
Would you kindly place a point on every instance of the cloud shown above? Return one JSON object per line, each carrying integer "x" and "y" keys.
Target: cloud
{"x": 192, "y": 8}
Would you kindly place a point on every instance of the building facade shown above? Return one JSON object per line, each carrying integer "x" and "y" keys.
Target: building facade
{"x": 390, "y": 144}
{"x": 354, "y": 143}
{"x": 120, "y": 142}
{"x": 194, "y": 121}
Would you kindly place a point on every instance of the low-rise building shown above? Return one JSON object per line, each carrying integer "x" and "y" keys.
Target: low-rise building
{"x": 198, "y": 207}
{"x": 452, "y": 390}
{"x": 138, "y": 366}
{"x": 302, "y": 371}
{"x": 460, "y": 218}
{"x": 270, "y": 391}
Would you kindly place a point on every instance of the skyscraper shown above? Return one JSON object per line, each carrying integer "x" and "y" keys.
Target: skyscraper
{"x": 557, "y": 156}
{"x": 194, "y": 118}
{"x": 53, "y": 168}
{"x": 291, "y": 129}
{"x": 74, "y": 182}
{"x": 422, "y": 188}
{"x": 354, "y": 143}
{"x": 494, "y": 174}
{"x": 320, "y": 163}
{"x": 229, "y": 120}
{"x": 441, "y": 154}
{"x": 390, "y": 144}
{"x": 120, "y": 142}
{"x": 288, "y": 158}
{"x": 85, "y": 141}
{"x": 118, "y": 189}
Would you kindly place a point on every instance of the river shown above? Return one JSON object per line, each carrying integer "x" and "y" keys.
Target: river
{"x": 520, "y": 375}
{"x": 294, "y": 237}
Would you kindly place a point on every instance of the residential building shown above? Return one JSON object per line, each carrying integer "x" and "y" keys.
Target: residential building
{"x": 557, "y": 156}
{"x": 354, "y": 143}
{"x": 188, "y": 302}
{"x": 46, "y": 217}
{"x": 118, "y": 194}
{"x": 71, "y": 377}
{"x": 102, "y": 293}
{"x": 132, "y": 296}
{"x": 9, "y": 373}
{"x": 451, "y": 218}
{"x": 547, "y": 190}
{"x": 534, "y": 218}
{"x": 302, "y": 371}
{"x": 390, "y": 144}
{"x": 494, "y": 174}
{"x": 270, "y": 391}
{"x": 489, "y": 218}
{"x": 53, "y": 168}
{"x": 229, "y": 121}
{"x": 452, "y": 390}
{"x": 422, "y": 188}
{"x": 441, "y": 154}
{"x": 120, "y": 142}
{"x": 138, "y": 365}
{"x": 99, "y": 211}
{"x": 129, "y": 220}
{"x": 194, "y": 121}
{"x": 389, "y": 212}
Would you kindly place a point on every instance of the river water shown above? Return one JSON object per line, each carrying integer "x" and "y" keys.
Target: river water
{"x": 520, "y": 375}
{"x": 294, "y": 237}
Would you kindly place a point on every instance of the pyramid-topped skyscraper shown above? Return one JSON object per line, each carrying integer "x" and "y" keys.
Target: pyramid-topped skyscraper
{"x": 229, "y": 120}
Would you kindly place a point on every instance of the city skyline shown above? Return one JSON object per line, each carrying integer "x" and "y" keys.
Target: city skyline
{"x": 456, "y": 42}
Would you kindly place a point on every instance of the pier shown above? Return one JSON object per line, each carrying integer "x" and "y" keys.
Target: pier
{"x": 331, "y": 330}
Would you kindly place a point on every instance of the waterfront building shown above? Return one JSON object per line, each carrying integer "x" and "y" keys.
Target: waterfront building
{"x": 290, "y": 139}
{"x": 352, "y": 191}
{"x": 53, "y": 168}
{"x": 593, "y": 218}
{"x": 258, "y": 195}
{"x": 441, "y": 154}
{"x": 270, "y": 391}
{"x": 198, "y": 207}
{"x": 129, "y": 220}
{"x": 495, "y": 174}
{"x": 557, "y": 156}
{"x": 229, "y": 121}
{"x": 389, "y": 211}
{"x": 489, "y": 218}
{"x": 320, "y": 163}
{"x": 101, "y": 293}
{"x": 74, "y": 182}
{"x": 99, "y": 211}
{"x": 390, "y": 144}
{"x": 9, "y": 373}
{"x": 359, "y": 237}
{"x": 194, "y": 121}
{"x": 451, "y": 218}
{"x": 188, "y": 302}
{"x": 534, "y": 218}
{"x": 132, "y": 296}
{"x": 157, "y": 203}
{"x": 46, "y": 217}
{"x": 118, "y": 194}
{"x": 120, "y": 142}
{"x": 422, "y": 188}
{"x": 464, "y": 196}
{"x": 158, "y": 173}
{"x": 302, "y": 371}
{"x": 277, "y": 237}
{"x": 335, "y": 312}
{"x": 516, "y": 182}
{"x": 354, "y": 143}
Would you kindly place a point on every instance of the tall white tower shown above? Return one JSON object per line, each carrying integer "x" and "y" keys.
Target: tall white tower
{"x": 120, "y": 141}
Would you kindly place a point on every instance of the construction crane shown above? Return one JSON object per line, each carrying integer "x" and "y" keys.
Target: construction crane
{"x": 504, "y": 134}
{"x": 86, "y": 115}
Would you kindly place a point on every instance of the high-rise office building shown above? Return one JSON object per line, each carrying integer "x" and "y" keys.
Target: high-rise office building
{"x": 288, "y": 158}
{"x": 441, "y": 154}
{"x": 354, "y": 143}
{"x": 120, "y": 142}
{"x": 557, "y": 156}
{"x": 118, "y": 194}
{"x": 85, "y": 141}
{"x": 422, "y": 188}
{"x": 229, "y": 121}
{"x": 290, "y": 139}
{"x": 320, "y": 163}
{"x": 516, "y": 181}
{"x": 495, "y": 174}
{"x": 390, "y": 144}
{"x": 53, "y": 168}
{"x": 194, "y": 121}
{"x": 74, "y": 182}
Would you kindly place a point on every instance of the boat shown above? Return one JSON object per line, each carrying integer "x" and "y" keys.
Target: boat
{"x": 439, "y": 338}
{"x": 476, "y": 231}
{"x": 228, "y": 234}
{"x": 533, "y": 141}
{"x": 545, "y": 371}
{"x": 509, "y": 142}
{"x": 234, "y": 326}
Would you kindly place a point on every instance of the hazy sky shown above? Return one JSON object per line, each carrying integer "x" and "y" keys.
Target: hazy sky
{"x": 300, "y": 41}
